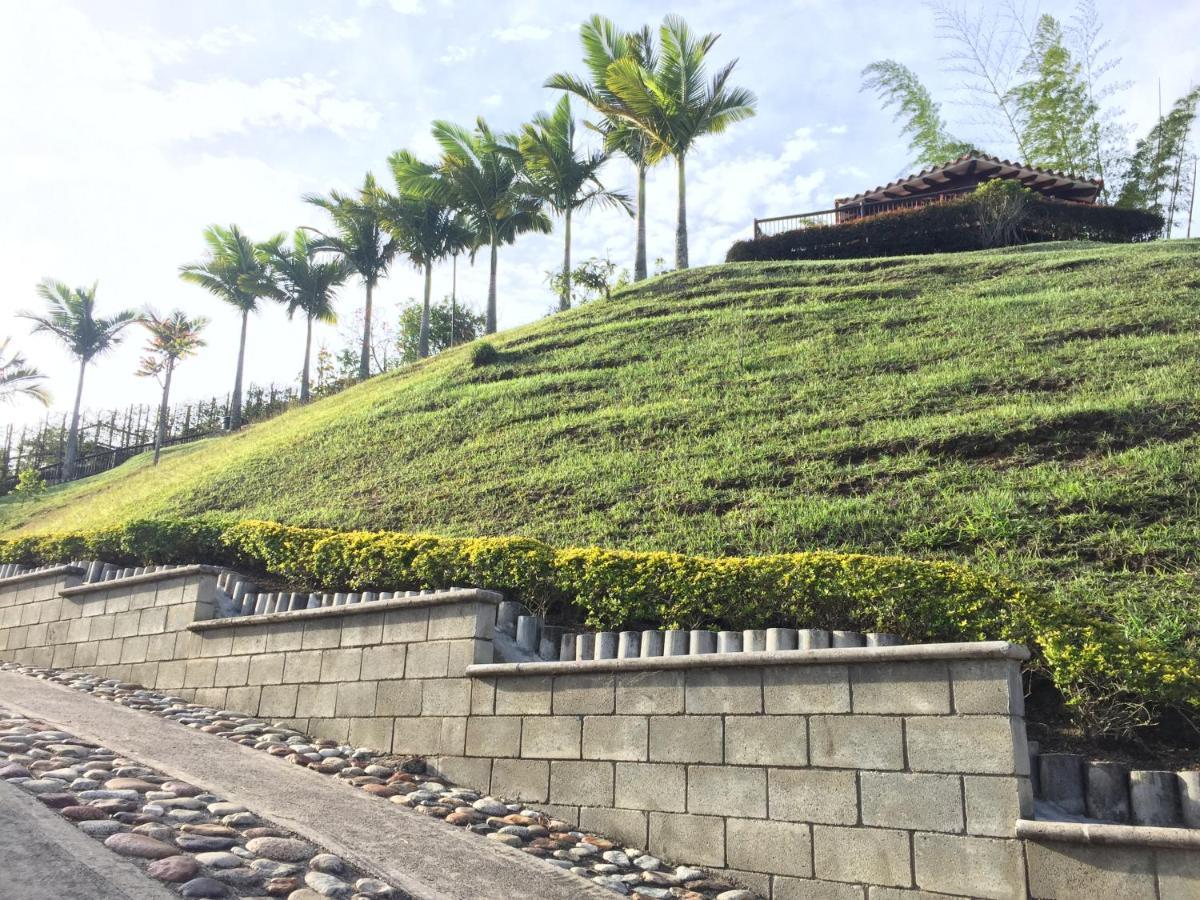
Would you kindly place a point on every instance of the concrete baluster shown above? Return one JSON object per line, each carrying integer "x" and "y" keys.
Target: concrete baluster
{"x": 782, "y": 639}
{"x": 729, "y": 642}
{"x": 847, "y": 639}
{"x": 629, "y": 645}
{"x": 1061, "y": 776}
{"x": 529, "y": 633}
{"x": 754, "y": 640}
{"x": 585, "y": 647}
{"x": 677, "y": 642}
{"x": 882, "y": 639}
{"x": 606, "y": 645}
{"x": 652, "y": 644}
{"x": 1154, "y": 798}
{"x": 701, "y": 642}
{"x": 1189, "y": 797}
{"x": 1107, "y": 788}
{"x": 566, "y": 645}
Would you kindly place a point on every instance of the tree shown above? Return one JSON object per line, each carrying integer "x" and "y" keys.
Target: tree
{"x": 173, "y": 337}
{"x": 360, "y": 239}
{"x": 306, "y": 284}
{"x": 928, "y": 137}
{"x": 448, "y": 326}
{"x": 236, "y": 273}
{"x": 564, "y": 177}
{"x": 478, "y": 175}
{"x": 426, "y": 232}
{"x": 674, "y": 107}
{"x": 1155, "y": 171}
{"x": 603, "y": 44}
{"x": 71, "y": 317}
{"x": 19, "y": 379}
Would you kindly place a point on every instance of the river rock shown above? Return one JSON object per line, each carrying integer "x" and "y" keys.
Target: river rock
{"x": 282, "y": 849}
{"x": 139, "y": 846}
{"x": 174, "y": 869}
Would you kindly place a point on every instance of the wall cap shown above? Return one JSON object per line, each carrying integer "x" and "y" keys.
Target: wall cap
{"x": 145, "y": 578}
{"x": 834, "y": 656}
{"x": 52, "y": 572}
{"x": 439, "y": 598}
{"x": 1109, "y": 835}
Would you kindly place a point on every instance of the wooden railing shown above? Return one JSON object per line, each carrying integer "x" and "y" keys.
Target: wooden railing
{"x": 848, "y": 212}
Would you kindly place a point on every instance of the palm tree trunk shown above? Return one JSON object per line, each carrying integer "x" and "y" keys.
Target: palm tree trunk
{"x": 423, "y": 341}
{"x": 235, "y": 405}
{"x": 364, "y": 359}
{"x": 304, "y": 383}
{"x": 453, "y": 297}
{"x": 639, "y": 257}
{"x": 681, "y": 235}
{"x": 564, "y": 301}
{"x": 491, "y": 303}
{"x": 160, "y": 434}
{"x": 72, "y": 449}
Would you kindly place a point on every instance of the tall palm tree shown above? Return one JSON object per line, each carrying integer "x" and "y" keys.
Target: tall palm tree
{"x": 480, "y": 176}
{"x": 603, "y": 44}
{"x": 425, "y": 231}
{"x": 673, "y": 106}
{"x": 71, "y": 317}
{"x": 235, "y": 272}
{"x": 173, "y": 337}
{"x": 19, "y": 379}
{"x": 361, "y": 240}
{"x": 566, "y": 178}
{"x": 307, "y": 284}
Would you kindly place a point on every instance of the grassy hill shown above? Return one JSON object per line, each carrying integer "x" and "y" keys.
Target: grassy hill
{"x": 1034, "y": 412}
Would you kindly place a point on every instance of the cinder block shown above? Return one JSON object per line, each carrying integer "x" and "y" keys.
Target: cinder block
{"x": 278, "y": 700}
{"x": 578, "y": 783}
{"x": 615, "y": 737}
{"x": 918, "y": 802}
{"x": 766, "y": 741}
{"x": 101, "y": 628}
{"x": 629, "y": 826}
{"x": 467, "y": 652}
{"x": 341, "y": 665}
{"x": 797, "y": 690}
{"x": 199, "y": 673}
{"x": 316, "y": 701}
{"x": 716, "y": 691}
{"x": 650, "y": 692}
{"x": 64, "y": 657}
{"x": 779, "y": 848}
{"x": 551, "y": 737}
{"x": 917, "y": 688}
{"x": 170, "y": 673}
{"x": 406, "y": 626}
{"x": 698, "y": 839}
{"x": 332, "y": 729}
{"x": 1083, "y": 871}
{"x": 988, "y": 687}
{"x": 266, "y": 668}
{"x": 399, "y": 698}
{"x": 994, "y": 803}
{"x": 232, "y": 671}
{"x": 810, "y": 889}
{"x": 981, "y": 867}
{"x": 244, "y": 699}
{"x": 383, "y": 662}
{"x": 250, "y": 639}
{"x": 523, "y": 696}
{"x": 152, "y": 621}
{"x": 1178, "y": 874}
{"x": 428, "y": 660}
{"x": 475, "y": 774}
{"x": 285, "y": 636}
{"x": 126, "y": 623}
{"x": 521, "y": 779}
{"x": 375, "y": 734}
{"x": 302, "y": 665}
{"x": 583, "y": 694}
{"x": 446, "y": 697}
{"x": 356, "y": 698}
{"x": 977, "y": 745}
{"x": 727, "y": 791}
{"x": 160, "y": 646}
{"x": 321, "y": 634}
{"x": 483, "y": 696}
{"x": 212, "y": 696}
{"x": 362, "y": 629}
{"x": 826, "y": 796}
{"x": 651, "y": 786}
{"x": 856, "y": 742}
{"x": 457, "y": 620}
{"x": 494, "y": 736}
{"x": 687, "y": 739}
{"x": 870, "y": 855}
{"x": 420, "y": 736}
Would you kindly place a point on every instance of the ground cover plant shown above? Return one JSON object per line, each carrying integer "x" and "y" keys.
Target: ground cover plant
{"x": 1029, "y": 412}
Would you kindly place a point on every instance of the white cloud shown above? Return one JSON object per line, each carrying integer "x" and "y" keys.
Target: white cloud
{"x": 492, "y": 100}
{"x": 327, "y": 28}
{"x": 456, "y": 53}
{"x": 224, "y": 38}
{"x": 408, "y": 7}
{"x": 516, "y": 33}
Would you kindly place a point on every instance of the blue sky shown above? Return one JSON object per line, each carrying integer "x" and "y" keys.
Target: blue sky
{"x": 127, "y": 127}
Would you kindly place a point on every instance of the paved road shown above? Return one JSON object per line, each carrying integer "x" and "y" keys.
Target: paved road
{"x": 47, "y": 858}
{"x": 418, "y": 854}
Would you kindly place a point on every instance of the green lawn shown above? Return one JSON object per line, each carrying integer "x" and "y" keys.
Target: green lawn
{"x": 1034, "y": 413}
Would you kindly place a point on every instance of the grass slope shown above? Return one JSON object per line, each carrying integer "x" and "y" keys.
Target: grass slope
{"x": 1033, "y": 412}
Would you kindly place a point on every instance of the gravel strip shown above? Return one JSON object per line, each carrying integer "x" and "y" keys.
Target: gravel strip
{"x": 626, "y": 871}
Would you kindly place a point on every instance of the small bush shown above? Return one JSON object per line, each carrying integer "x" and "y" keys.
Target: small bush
{"x": 949, "y": 227}
{"x": 484, "y": 353}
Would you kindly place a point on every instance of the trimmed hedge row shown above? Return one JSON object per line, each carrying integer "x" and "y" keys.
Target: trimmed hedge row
{"x": 1092, "y": 663}
{"x": 947, "y": 227}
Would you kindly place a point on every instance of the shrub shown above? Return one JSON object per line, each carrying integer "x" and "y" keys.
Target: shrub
{"x": 484, "y": 353}
{"x": 1104, "y": 677}
{"x": 948, "y": 227}
{"x": 1002, "y": 205}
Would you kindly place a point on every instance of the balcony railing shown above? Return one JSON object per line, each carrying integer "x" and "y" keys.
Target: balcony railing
{"x": 849, "y": 211}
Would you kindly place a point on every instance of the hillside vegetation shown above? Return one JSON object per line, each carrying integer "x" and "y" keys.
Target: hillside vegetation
{"x": 1032, "y": 412}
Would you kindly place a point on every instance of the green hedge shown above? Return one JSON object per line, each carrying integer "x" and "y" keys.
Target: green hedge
{"x": 1096, "y": 668}
{"x": 947, "y": 227}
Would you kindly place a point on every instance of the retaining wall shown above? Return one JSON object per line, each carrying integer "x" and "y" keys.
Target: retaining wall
{"x": 878, "y": 773}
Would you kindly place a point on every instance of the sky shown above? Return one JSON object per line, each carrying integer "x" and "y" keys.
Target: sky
{"x": 127, "y": 126}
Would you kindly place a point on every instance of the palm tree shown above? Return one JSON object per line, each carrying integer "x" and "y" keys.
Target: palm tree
{"x": 172, "y": 338}
{"x": 603, "y": 44}
{"x": 236, "y": 273}
{"x": 673, "y": 106}
{"x": 307, "y": 284}
{"x": 71, "y": 317}
{"x": 480, "y": 176}
{"x": 19, "y": 379}
{"x": 562, "y": 176}
{"x": 425, "y": 231}
{"x": 360, "y": 239}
